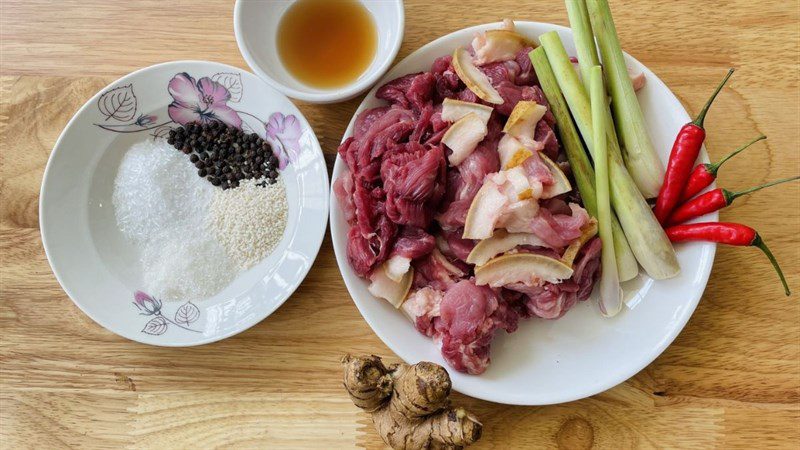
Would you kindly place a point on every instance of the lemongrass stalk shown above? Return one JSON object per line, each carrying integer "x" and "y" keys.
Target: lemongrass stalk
{"x": 584, "y": 38}
{"x": 610, "y": 291}
{"x": 579, "y": 162}
{"x": 640, "y": 157}
{"x": 587, "y": 50}
{"x": 645, "y": 235}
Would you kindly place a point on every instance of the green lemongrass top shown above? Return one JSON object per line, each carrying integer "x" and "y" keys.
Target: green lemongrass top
{"x": 640, "y": 157}
{"x": 584, "y": 38}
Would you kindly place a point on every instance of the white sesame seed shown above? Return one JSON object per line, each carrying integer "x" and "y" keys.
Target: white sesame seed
{"x": 249, "y": 220}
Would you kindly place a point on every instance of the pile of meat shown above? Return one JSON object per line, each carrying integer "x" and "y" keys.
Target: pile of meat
{"x": 400, "y": 197}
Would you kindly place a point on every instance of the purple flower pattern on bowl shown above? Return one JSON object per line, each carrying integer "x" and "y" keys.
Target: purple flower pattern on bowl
{"x": 185, "y": 315}
{"x": 200, "y": 100}
{"x": 145, "y": 120}
{"x": 284, "y": 134}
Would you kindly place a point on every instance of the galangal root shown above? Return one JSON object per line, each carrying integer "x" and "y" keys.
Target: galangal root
{"x": 410, "y": 405}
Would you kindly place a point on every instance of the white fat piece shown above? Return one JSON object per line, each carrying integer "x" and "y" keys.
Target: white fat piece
{"x": 463, "y": 137}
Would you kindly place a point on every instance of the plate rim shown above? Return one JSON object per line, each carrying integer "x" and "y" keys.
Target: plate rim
{"x": 341, "y": 258}
{"x": 57, "y": 148}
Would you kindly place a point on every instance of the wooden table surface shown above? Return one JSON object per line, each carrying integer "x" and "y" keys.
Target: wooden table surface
{"x": 731, "y": 379}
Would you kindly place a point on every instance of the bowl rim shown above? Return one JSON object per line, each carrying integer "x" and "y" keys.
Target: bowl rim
{"x": 43, "y": 198}
{"x": 338, "y": 95}
{"x": 638, "y": 365}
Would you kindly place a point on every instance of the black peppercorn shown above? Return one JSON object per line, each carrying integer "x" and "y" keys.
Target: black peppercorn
{"x": 225, "y": 155}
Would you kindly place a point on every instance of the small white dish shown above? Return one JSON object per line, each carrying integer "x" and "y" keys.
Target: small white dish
{"x": 98, "y": 267}
{"x": 255, "y": 24}
{"x": 580, "y": 354}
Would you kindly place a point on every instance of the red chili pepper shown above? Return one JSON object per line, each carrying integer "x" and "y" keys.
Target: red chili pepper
{"x": 725, "y": 233}
{"x": 704, "y": 174}
{"x": 683, "y": 155}
{"x": 712, "y": 201}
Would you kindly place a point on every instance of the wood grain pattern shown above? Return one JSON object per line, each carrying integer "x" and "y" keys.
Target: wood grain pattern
{"x": 730, "y": 380}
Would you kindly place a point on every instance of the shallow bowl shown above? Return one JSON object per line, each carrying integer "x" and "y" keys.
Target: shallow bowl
{"x": 98, "y": 267}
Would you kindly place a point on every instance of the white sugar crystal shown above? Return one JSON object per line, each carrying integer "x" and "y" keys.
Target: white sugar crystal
{"x": 157, "y": 188}
{"x": 193, "y": 237}
{"x": 184, "y": 265}
{"x": 249, "y": 221}
{"x": 162, "y": 205}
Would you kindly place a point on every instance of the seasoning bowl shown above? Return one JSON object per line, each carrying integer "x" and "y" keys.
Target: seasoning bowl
{"x": 100, "y": 269}
{"x": 256, "y": 24}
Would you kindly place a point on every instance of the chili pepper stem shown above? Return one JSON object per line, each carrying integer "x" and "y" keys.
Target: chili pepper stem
{"x": 731, "y": 196}
{"x": 758, "y": 242}
{"x": 702, "y": 116}
{"x": 713, "y": 168}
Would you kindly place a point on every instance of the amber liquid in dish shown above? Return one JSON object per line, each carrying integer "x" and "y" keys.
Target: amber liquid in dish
{"x": 327, "y": 43}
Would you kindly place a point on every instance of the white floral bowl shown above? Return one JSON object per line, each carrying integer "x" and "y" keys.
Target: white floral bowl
{"x": 99, "y": 269}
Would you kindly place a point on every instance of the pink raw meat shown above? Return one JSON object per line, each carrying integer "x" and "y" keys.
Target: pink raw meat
{"x": 362, "y": 152}
{"x": 414, "y": 184}
{"x": 512, "y": 94}
{"x": 364, "y": 252}
{"x": 436, "y": 271}
{"x": 366, "y": 119}
{"x": 413, "y": 243}
{"x": 587, "y": 268}
{"x": 558, "y": 230}
{"x": 500, "y": 71}
{"x": 398, "y": 180}
{"x": 343, "y": 188}
{"x": 470, "y": 315}
{"x": 447, "y": 81}
{"x": 551, "y": 301}
{"x": 471, "y": 357}
{"x": 545, "y": 135}
{"x": 455, "y": 247}
{"x": 464, "y": 309}
{"x": 465, "y": 95}
{"x": 526, "y": 75}
{"x": 410, "y": 91}
{"x": 422, "y": 307}
{"x": 536, "y": 169}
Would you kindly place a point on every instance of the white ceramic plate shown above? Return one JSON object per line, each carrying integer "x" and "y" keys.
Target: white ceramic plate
{"x": 581, "y": 354}
{"x": 96, "y": 265}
